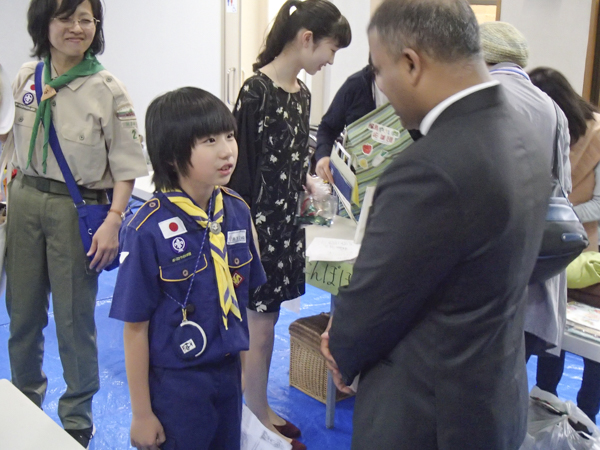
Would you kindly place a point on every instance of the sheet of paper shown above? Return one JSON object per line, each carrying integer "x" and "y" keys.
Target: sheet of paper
{"x": 328, "y": 249}
{"x": 364, "y": 214}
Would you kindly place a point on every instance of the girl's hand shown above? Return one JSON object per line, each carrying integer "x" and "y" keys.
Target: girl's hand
{"x": 105, "y": 243}
{"x": 147, "y": 432}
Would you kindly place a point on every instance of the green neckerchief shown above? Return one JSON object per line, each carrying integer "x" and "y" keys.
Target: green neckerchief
{"x": 88, "y": 66}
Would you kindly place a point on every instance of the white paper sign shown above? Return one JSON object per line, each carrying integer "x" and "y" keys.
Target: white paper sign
{"x": 255, "y": 436}
{"x": 328, "y": 249}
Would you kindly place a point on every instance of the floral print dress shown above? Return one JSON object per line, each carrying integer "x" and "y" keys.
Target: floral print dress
{"x": 273, "y": 127}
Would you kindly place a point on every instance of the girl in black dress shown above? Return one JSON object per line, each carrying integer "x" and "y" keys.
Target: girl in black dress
{"x": 272, "y": 113}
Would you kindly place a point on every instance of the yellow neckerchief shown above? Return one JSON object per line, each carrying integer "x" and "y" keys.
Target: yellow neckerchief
{"x": 218, "y": 247}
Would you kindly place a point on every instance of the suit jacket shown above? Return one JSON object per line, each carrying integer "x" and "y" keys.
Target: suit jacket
{"x": 433, "y": 315}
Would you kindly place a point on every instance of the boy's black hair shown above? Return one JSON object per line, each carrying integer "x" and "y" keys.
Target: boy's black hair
{"x": 174, "y": 122}
{"x": 41, "y": 12}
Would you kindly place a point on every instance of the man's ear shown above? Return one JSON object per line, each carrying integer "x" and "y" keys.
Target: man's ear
{"x": 413, "y": 64}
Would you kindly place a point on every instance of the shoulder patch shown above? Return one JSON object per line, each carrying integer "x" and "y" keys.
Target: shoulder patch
{"x": 145, "y": 211}
{"x": 233, "y": 194}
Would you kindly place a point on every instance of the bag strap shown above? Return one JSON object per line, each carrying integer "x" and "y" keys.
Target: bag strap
{"x": 555, "y": 154}
{"x": 55, "y": 145}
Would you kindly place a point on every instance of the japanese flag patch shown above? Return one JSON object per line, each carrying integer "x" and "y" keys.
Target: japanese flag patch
{"x": 172, "y": 227}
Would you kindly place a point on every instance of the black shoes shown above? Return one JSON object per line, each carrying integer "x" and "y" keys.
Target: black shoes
{"x": 83, "y": 436}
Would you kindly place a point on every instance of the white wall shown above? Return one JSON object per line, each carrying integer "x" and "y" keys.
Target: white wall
{"x": 151, "y": 46}
{"x": 354, "y": 57}
{"x": 557, "y": 33}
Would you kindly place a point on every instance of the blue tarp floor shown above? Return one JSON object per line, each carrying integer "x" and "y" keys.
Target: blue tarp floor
{"x": 112, "y": 413}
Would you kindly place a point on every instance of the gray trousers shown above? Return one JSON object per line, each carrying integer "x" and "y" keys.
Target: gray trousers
{"x": 45, "y": 254}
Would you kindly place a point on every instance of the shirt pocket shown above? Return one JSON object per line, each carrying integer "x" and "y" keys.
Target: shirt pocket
{"x": 175, "y": 278}
{"x": 238, "y": 256}
{"x": 81, "y": 135}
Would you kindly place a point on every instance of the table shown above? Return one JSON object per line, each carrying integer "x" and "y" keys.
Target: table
{"x": 24, "y": 426}
{"x": 581, "y": 346}
{"x": 143, "y": 189}
{"x": 329, "y": 276}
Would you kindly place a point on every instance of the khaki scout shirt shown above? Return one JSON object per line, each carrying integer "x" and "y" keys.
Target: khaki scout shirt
{"x": 96, "y": 128}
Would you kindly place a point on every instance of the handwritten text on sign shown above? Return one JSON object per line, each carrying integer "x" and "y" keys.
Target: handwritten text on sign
{"x": 328, "y": 276}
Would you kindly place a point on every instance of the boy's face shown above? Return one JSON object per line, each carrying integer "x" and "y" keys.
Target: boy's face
{"x": 213, "y": 160}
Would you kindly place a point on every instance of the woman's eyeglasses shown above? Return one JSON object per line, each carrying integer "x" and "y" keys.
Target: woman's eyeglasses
{"x": 86, "y": 23}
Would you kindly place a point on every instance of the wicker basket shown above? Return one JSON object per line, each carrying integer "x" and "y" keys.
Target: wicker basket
{"x": 308, "y": 371}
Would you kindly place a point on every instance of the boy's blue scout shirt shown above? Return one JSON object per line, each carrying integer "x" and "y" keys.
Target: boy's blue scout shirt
{"x": 157, "y": 261}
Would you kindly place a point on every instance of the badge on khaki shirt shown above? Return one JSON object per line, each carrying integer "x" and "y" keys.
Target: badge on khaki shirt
{"x": 125, "y": 113}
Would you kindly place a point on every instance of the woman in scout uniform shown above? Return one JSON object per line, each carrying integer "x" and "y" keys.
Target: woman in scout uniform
{"x": 97, "y": 131}
{"x": 188, "y": 262}
{"x": 272, "y": 113}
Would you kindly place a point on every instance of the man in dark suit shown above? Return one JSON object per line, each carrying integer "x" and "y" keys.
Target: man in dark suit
{"x": 433, "y": 316}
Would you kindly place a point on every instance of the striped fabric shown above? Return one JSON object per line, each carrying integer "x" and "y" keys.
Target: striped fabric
{"x": 373, "y": 141}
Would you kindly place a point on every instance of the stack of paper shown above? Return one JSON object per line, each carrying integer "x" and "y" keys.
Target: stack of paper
{"x": 584, "y": 318}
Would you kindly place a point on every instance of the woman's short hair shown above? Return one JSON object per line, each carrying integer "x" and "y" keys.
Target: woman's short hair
{"x": 41, "y": 12}
{"x": 175, "y": 121}
{"x": 576, "y": 109}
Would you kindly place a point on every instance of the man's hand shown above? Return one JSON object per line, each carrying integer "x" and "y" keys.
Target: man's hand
{"x": 147, "y": 432}
{"x": 331, "y": 364}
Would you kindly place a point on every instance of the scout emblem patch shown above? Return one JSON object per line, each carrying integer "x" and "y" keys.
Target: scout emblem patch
{"x": 28, "y": 98}
{"x": 178, "y": 244}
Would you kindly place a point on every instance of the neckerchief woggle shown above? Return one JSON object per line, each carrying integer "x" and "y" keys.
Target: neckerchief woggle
{"x": 89, "y": 65}
{"x": 218, "y": 247}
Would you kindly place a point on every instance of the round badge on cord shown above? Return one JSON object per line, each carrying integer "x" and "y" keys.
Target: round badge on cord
{"x": 7, "y": 103}
{"x": 189, "y": 340}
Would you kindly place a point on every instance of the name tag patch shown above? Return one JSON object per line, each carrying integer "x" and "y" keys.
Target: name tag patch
{"x": 236, "y": 237}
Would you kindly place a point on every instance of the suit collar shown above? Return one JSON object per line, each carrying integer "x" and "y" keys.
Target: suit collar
{"x": 482, "y": 99}
{"x": 433, "y": 115}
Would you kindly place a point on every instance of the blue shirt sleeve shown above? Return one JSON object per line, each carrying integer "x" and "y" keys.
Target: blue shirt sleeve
{"x": 137, "y": 289}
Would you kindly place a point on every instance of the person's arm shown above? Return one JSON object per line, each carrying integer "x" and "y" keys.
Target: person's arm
{"x": 249, "y": 115}
{"x": 409, "y": 246}
{"x": 146, "y": 431}
{"x": 590, "y": 210}
{"x": 105, "y": 242}
{"x": 331, "y": 126}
